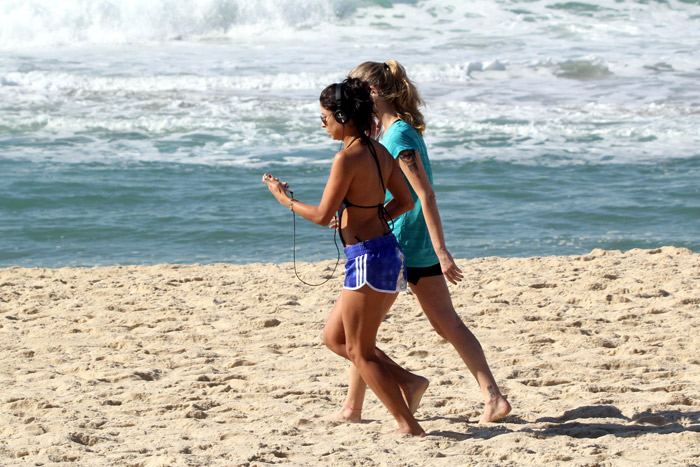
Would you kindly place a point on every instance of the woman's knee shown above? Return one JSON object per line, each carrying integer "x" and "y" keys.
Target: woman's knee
{"x": 335, "y": 347}
{"x": 358, "y": 356}
{"x": 449, "y": 325}
{"x": 439, "y": 330}
{"x": 333, "y": 340}
{"x": 329, "y": 343}
{"x": 352, "y": 352}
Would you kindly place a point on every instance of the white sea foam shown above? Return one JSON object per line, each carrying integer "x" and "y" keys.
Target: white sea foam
{"x": 68, "y": 22}
{"x": 40, "y": 23}
{"x": 237, "y": 81}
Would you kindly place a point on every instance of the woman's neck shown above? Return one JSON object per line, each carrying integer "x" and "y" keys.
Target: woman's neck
{"x": 386, "y": 112}
{"x": 349, "y": 140}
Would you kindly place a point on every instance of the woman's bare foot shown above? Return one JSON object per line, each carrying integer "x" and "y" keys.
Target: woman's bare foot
{"x": 410, "y": 429}
{"x": 495, "y": 409}
{"x": 413, "y": 392}
{"x": 345, "y": 414}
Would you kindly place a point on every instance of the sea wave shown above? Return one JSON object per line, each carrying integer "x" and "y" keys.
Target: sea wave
{"x": 452, "y": 23}
{"x": 518, "y": 111}
{"x": 36, "y": 23}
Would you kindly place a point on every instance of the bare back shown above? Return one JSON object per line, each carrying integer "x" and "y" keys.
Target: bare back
{"x": 364, "y": 216}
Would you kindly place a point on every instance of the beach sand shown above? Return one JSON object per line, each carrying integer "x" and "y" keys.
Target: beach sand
{"x": 224, "y": 365}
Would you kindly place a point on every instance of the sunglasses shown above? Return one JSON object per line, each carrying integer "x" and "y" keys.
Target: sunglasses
{"x": 324, "y": 118}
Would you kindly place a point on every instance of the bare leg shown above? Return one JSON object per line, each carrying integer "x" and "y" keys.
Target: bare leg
{"x": 334, "y": 338}
{"x": 351, "y": 411}
{"x": 434, "y": 297}
{"x": 362, "y": 312}
{"x": 412, "y": 386}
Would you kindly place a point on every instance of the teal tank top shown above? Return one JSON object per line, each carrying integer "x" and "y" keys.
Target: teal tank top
{"x": 410, "y": 228}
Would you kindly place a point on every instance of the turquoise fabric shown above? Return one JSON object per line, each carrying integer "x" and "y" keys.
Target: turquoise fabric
{"x": 410, "y": 228}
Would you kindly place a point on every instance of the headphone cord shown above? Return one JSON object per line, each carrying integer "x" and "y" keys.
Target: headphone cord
{"x": 294, "y": 250}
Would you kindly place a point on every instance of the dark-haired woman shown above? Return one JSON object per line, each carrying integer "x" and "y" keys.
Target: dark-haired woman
{"x": 419, "y": 232}
{"x": 374, "y": 272}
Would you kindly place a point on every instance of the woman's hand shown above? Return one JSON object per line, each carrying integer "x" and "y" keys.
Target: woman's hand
{"x": 278, "y": 189}
{"x": 334, "y": 223}
{"x": 449, "y": 268}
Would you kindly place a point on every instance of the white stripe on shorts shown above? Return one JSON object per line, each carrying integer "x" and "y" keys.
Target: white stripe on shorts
{"x": 364, "y": 269}
{"x": 361, "y": 265}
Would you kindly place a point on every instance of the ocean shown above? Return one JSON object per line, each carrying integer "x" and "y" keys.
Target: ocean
{"x": 137, "y": 132}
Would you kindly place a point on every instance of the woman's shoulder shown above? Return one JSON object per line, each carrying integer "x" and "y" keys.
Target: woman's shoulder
{"x": 379, "y": 146}
{"x": 360, "y": 151}
{"x": 398, "y": 127}
{"x": 402, "y": 129}
{"x": 401, "y": 135}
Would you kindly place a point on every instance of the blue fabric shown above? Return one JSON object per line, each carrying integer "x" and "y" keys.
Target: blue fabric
{"x": 378, "y": 263}
{"x": 410, "y": 228}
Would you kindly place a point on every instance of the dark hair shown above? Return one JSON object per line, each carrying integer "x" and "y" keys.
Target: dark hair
{"x": 355, "y": 102}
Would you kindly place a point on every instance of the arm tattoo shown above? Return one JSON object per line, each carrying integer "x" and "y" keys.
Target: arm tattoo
{"x": 409, "y": 157}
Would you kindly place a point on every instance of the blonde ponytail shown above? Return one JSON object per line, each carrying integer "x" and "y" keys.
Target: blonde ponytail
{"x": 394, "y": 86}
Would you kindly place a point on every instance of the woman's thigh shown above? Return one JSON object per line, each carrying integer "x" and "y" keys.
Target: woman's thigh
{"x": 363, "y": 310}
{"x": 433, "y": 295}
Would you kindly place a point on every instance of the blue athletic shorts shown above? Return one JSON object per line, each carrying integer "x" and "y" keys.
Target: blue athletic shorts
{"x": 378, "y": 263}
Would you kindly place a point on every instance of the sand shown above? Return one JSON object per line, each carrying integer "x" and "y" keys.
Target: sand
{"x": 224, "y": 365}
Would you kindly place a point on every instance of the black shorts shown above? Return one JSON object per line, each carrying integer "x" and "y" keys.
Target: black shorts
{"x": 414, "y": 274}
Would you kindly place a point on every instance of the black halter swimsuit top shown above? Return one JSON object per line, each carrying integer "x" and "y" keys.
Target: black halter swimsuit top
{"x": 381, "y": 211}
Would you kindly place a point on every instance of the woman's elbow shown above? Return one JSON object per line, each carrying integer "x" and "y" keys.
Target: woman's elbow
{"x": 429, "y": 198}
{"x": 324, "y": 219}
